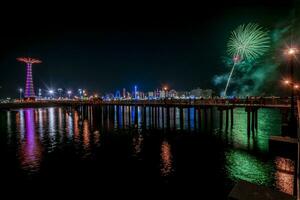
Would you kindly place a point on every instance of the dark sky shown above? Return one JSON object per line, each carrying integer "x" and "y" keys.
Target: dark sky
{"x": 104, "y": 48}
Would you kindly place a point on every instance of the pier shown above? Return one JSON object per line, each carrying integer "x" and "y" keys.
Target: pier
{"x": 165, "y": 109}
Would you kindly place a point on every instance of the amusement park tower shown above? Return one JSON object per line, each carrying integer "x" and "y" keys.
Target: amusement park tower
{"x": 29, "y": 89}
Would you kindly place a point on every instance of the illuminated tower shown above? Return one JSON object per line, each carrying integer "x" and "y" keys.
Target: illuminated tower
{"x": 135, "y": 92}
{"x": 29, "y": 90}
{"x": 124, "y": 93}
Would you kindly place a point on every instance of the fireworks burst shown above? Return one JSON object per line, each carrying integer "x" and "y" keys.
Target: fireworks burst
{"x": 247, "y": 42}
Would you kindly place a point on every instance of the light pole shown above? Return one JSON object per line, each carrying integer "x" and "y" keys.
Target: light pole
{"x": 166, "y": 90}
{"x": 51, "y": 92}
{"x": 291, "y": 55}
{"x": 69, "y": 93}
{"x": 60, "y": 90}
{"x": 21, "y": 91}
{"x": 80, "y": 93}
{"x": 40, "y": 93}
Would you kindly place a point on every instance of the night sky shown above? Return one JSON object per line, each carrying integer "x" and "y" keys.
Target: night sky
{"x": 104, "y": 48}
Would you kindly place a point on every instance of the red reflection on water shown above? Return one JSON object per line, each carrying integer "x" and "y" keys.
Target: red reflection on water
{"x": 166, "y": 159}
{"x": 285, "y": 174}
{"x": 69, "y": 124}
{"x": 137, "y": 144}
{"x": 76, "y": 128}
{"x": 31, "y": 151}
{"x": 97, "y": 138}
{"x": 86, "y": 134}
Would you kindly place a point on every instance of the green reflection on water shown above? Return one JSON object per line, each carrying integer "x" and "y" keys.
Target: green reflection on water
{"x": 242, "y": 165}
{"x": 269, "y": 122}
{"x": 248, "y": 158}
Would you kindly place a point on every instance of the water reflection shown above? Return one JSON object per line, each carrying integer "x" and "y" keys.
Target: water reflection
{"x": 41, "y": 123}
{"x": 284, "y": 175}
{"x": 9, "y": 123}
{"x": 166, "y": 159}
{"x": 31, "y": 150}
{"x": 269, "y": 121}
{"x": 244, "y": 166}
{"x": 137, "y": 144}
{"x": 86, "y": 135}
{"x": 134, "y": 131}
{"x": 69, "y": 125}
{"x": 76, "y": 126}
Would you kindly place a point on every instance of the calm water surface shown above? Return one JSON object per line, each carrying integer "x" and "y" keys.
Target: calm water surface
{"x": 112, "y": 148}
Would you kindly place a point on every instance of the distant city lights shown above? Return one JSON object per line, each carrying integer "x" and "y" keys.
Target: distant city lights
{"x": 155, "y": 94}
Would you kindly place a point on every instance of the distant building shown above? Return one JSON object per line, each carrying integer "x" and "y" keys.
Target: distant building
{"x": 128, "y": 95}
{"x": 201, "y": 93}
{"x": 183, "y": 94}
{"x": 118, "y": 94}
{"x": 197, "y": 93}
{"x": 135, "y": 93}
{"x": 172, "y": 93}
{"x": 151, "y": 95}
{"x": 162, "y": 94}
{"x": 109, "y": 96}
{"x": 208, "y": 93}
{"x": 157, "y": 93}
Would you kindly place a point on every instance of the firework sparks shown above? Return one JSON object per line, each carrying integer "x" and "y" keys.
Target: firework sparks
{"x": 247, "y": 42}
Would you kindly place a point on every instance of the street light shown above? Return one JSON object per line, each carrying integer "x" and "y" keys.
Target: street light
{"x": 84, "y": 93}
{"x": 51, "y": 92}
{"x": 60, "y": 90}
{"x": 21, "y": 91}
{"x": 80, "y": 93}
{"x": 69, "y": 93}
{"x": 40, "y": 92}
{"x": 286, "y": 82}
{"x": 166, "y": 90}
{"x": 291, "y": 53}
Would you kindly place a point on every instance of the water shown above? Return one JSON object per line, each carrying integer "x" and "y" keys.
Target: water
{"x": 94, "y": 148}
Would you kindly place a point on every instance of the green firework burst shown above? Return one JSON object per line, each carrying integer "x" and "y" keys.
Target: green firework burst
{"x": 248, "y": 42}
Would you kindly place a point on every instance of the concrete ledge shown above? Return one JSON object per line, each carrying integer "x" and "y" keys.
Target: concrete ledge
{"x": 282, "y": 139}
{"x": 244, "y": 190}
{"x": 283, "y": 145}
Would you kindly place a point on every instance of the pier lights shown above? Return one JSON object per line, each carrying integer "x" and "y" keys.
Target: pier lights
{"x": 287, "y": 82}
{"x": 60, "y": 90}
{"x": 291, "y": 54}
{"x": 51, "y": 93}
{"x": 165, "y": 88}
{"x": 291, "y": 51}
{"x": 84, "y": 93}
{"x": 40, "y": 93}
{"x": 21, "y": 92}
{"x": 80, "y": 93}
{"x": 69, "y": 93}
